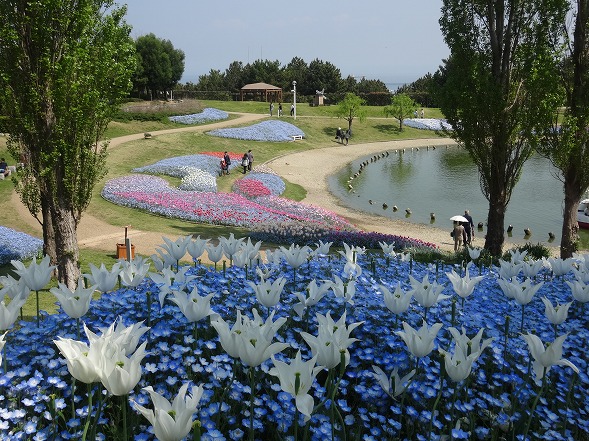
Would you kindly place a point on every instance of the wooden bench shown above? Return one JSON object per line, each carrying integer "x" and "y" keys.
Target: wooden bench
{"x": 295, "y": 137}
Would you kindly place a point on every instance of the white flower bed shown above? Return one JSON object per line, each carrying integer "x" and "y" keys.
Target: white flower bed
{"x": 427, "y": 123}
{"x": 198, "y": 180}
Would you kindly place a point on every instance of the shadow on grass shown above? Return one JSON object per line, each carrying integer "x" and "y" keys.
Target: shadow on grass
{"x": 208, "y": 231}
{"x": 388, "y": 128}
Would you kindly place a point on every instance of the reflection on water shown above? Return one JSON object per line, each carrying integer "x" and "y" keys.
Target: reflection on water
{"x": 444, "y": 181}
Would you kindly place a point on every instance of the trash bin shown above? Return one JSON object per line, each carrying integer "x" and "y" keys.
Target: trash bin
{"x": 122, "y": 251}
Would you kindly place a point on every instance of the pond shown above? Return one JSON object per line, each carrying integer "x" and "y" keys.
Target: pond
{"x": 445, "y": 181}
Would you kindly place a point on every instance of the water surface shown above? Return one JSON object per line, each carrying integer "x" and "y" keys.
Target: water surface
{"x": 445, "y": 181}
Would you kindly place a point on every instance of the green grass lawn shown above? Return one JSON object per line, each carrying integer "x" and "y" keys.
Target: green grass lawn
{"x": 318, "y": 124}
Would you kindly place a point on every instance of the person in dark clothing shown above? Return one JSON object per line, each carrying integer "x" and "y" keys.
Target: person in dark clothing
{"x": 244, "y": 163}
{"x": 227, "y": 160}
{"x": 250, "y": 160}
{"x": 468, "y": 227}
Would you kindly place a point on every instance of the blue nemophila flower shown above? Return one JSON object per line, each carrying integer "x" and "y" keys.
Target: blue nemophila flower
{"x": 271, "y": 130}
{"x": 39, "y": 377}
{"x": 207, "y": 115}
{"x": 15, "y": 245}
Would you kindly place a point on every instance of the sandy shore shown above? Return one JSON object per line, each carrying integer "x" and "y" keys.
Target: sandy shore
{"x": 309, "y": 169}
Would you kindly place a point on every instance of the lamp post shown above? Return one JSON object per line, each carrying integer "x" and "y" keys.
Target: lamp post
{"x": 294, "y": 98}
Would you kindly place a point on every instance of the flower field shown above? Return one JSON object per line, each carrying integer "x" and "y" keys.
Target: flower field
{"x": 272, "y": 130}
{"x": 207, "y": 115}
{"x": 303, "y": 343}
{"x": 15, "y": 245}
{"x": 427, "y": 123}
{"x": 254, "y": 202}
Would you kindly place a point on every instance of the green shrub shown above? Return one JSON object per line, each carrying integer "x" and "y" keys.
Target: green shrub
{"x": 534, "y": 251}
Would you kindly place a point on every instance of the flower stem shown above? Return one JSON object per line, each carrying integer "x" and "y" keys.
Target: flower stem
{"x": 533, "y": 408}
{"x": 252, "y": 374}
{"x": 296, "y": 424}
{"x": 438, "y": 398}
{"x": 89, "y": 417}
{"x": 195, "y": 336}
{"x": 124, "y": 406}
{"x": 196, "y": 435}
{"x": 37, "y": 297}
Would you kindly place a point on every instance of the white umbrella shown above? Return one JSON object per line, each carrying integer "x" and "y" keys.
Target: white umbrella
{"x": 459, "y": 218}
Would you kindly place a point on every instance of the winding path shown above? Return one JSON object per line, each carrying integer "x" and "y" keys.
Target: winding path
{"x": 97, "y": 234}
{"x": 300, "y": 168}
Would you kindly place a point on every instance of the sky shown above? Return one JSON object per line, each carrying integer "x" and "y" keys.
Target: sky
{"x": 391, "y": 40}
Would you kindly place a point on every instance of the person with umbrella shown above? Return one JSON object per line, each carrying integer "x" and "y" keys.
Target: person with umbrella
{"x": 459, "y": 232}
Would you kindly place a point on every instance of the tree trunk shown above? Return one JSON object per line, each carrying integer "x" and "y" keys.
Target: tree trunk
{"x": 66, "y": 244}
{"x": 496, "y": 224}
{"x": 570, "y": 226}
{"x": 48, "y": 232}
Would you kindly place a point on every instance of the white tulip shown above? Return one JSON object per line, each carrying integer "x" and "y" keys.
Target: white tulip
{"x": 75, "y": 303}
{"x": 546, "y": 357}
{"x": 193, "y": 306}
{"x": 531, "y": 268}
{"x": 332, "y": 341}
{"x": 393, "y": 385}
{"x": 580, "y": 290}
{"x": 104, "y": 279}
{"x": 463, "y": 286}
{"x": 419, "y": 342}
{"x": 196, "y": 247}
{"x": 175, "y": 249}
{"x": 397, "y": 302}
{"x": 268, "y": 294}
{"x": 509, "y": 269}
{"x": 556, "y": 314}
{"x": 314, "y": 294}
{"x": 296, "y": 378}
{"x": 559, "y": 266}
{"x": 37, "y": 275}
{"x": 172, "y": 421}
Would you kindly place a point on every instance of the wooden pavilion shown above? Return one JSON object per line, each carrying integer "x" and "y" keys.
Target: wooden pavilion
{"x": 262, "y": 91}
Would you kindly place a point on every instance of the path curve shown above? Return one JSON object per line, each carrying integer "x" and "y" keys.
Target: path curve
{"x": 299, "y": 168}
{"x": 93, "y": 232}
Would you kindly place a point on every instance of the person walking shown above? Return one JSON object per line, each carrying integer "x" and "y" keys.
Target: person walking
{"x": 250, "y": 160}
{"x": 459, "y": 235}
{"x": 271, "y": 108}
{"x": 245, "y": 163}
{"x": 292, "y": 109}
{"x": 279, "y": 110}
{"x": 468, "y": 227}
{"x": 224, "y": 170}
{"x": 227, "y": 160}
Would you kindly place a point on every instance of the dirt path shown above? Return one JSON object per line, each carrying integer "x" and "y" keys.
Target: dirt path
{"x": 96, "y": 234}
{"x": 300, "y": 168}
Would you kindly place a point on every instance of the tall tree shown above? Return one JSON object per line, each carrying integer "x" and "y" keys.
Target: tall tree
{"x": 233, "y": 76}
{"x": 213, "y": 81}
{"x": 321, "y": 75}
{"x": 351, "y": 107}
{"x": 66, "y": 64}
{"x": 296, "y": 70}
{"x": 401, "y": 107}
{"x": 263, "y": 71}
{"x": 494, "y": 94}
{"x": 567, "y": 143}
{"x": 162, "y": 64}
